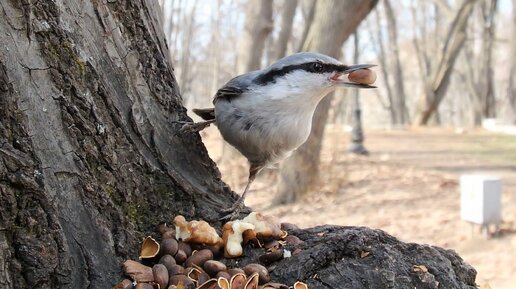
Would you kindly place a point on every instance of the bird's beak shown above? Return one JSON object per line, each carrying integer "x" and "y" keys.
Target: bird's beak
{"x": 336, "y": 78}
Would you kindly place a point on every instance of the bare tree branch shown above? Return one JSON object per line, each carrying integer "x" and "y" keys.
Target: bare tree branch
{"x": 437, "y": 83}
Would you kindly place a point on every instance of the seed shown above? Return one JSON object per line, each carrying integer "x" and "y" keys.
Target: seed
{"x": 362, "y": 76}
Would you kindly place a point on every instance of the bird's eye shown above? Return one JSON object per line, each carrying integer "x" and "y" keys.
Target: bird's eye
{"x": 317, "y": 67}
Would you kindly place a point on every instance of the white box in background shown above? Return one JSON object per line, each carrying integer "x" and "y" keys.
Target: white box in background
{"x": 480, "y": 199}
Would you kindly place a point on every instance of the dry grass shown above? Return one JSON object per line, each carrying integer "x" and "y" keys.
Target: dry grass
{"x": 407, "y": 187}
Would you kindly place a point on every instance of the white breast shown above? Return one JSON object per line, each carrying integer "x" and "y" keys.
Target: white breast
{"x": 266, "y": 125}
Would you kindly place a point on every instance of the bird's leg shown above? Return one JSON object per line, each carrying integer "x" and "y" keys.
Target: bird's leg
{"x": 194, "y": 126}
{"x": 234, "y": 211}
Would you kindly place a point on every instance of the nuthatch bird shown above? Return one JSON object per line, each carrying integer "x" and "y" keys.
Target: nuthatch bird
{"x": 267, "y": 114}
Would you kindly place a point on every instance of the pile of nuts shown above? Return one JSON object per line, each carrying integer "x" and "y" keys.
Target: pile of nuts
{"x": 191, "y": 254}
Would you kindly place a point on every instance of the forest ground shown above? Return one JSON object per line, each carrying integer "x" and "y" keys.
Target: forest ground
{"x": 408, "y": 187}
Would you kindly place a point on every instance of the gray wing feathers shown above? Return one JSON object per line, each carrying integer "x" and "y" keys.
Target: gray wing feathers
{"x": 205, "y": 113}
{"x": 227, "y": 92}
{"x": 236, "y": 86}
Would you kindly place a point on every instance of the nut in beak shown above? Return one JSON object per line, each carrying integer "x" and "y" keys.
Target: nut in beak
{"x": 359, "y": 76}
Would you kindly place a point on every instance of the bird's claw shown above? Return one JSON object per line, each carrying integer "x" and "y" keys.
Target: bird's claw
{"x": 233, "y": 212}
{"x": 193, "y": 126}
{"x": 230, "y": 217}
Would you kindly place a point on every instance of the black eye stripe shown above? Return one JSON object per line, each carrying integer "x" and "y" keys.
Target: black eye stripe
{"x": 271, "y": 75}
{"x": 317, "y": 67}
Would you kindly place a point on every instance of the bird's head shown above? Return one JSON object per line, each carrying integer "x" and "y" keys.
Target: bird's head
{"x": 311, "y": 72}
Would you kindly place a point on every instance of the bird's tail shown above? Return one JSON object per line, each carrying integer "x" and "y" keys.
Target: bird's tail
{"x": 205, "y": 113}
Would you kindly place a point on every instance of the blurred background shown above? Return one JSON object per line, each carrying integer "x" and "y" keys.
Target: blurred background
{"x": 445, "y": 107}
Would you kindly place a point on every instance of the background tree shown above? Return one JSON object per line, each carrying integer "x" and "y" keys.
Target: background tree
{"x": 285, "y": 33}
{"x": 433, "y": 18}
{"x": 308, "y": 12}
{"x": 511, "y": 91}
{"x": 346, "y": 15}
{"x": 357, "y": 133}
{"x": 186, "y": 53}
{"x": 480, "y": 75}
{"x": 438, "y": 72}
{"x": 389, "y": 62}
{"x": 398, "y": 106}
{"x": 181, "y": 15}
{"x": 258, "y": 26}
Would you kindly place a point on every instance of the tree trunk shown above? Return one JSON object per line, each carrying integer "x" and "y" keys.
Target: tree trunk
{"x": 489, "y": 34}
{"x": 472, "y": 78}
{"x": 285, "y": 34}
{"x": 378, "y": 43}
{"x": 480, "y": 75}
{"x": 215, "y": 47}
{"x": 511, "y": 91}
{"x": 419, "y": 41}
{"x": 399, "y": 108}
{"x": 258, "y": 26}
{"x": 308, "y": 9}
{"x": 299, "y": 172}
{"x": 436, "y": 85}
{"x": 185, "y": 78}
{"x": 89, "y": 155}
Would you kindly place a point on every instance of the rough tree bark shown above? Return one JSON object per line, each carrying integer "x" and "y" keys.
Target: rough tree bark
{"x": 334, "y": 257}
{"x": 91, "y": 160}
{"x": 89, "y": 155}
{"x": 333, "y": 22}
{"x": 436, "y": 84}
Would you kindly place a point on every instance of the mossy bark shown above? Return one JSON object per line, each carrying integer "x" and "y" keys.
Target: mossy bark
{"x": 90, "y": 157}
